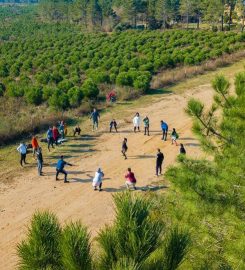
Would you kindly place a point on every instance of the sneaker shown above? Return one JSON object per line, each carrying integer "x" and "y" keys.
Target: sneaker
{"x": 66, "y": 181}
{"x": 100, "y": 189}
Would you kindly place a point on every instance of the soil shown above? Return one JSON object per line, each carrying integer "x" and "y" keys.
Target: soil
{"x": 27, "y": 192}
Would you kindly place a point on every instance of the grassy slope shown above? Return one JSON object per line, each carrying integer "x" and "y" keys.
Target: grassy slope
{"x": 9, "y": 156}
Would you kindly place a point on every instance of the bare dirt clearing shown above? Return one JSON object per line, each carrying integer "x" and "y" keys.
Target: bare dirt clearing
{"x": 27, "y": 192}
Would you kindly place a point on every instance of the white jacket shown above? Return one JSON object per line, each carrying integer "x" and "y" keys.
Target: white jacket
{"x": 22, "y": 149}
{"x": 136, "y": 121}
{"x": 97, "y": 178}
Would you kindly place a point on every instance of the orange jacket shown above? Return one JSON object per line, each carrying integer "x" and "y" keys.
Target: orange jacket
{"x": 34, "y": 143}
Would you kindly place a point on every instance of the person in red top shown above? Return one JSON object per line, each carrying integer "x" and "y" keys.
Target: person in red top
{"x": 55, "y": 134}
{"x": 131, "y": 180}
{"x": 34, "y": 144}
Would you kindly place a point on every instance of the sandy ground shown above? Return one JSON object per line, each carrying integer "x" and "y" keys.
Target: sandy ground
{"x": 77, "y": 200}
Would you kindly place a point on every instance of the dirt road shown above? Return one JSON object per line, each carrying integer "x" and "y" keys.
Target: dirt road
{"x": 77, "y": 200}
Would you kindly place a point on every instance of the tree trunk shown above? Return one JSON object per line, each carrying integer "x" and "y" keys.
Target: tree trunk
{"x": 198, "y": 22}
{"x": 230, "y": 17}
{"x": 187, "y": 21}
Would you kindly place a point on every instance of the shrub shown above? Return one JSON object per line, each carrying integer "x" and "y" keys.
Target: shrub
{"x": 41, "y": 248}
{"x": 65, "y": 85}
{"x": 75, "y": 95}
{"x": 124, "y": 79}
{"x": 59, "y": 100}
{"x": 3, "y": 70}
{"x": 34, "y": 95}
{"x": 14, "y": 90}
{"x": 142, "y": 83}
{"x": 43, "y": 77}
{"x": 90, "y": 89}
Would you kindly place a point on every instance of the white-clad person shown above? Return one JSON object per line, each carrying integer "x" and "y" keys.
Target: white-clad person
{"x": 97, "y": 180}
{"x": 136, "y": 122}
{"x": 22, "y": 149}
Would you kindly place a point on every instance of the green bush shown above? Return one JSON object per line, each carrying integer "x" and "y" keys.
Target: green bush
{"x": 34, "y": 95}
{"x": 2, "y": 89}
{"x": 59, "y": 100}
{"x": 90, "y": 89}
{"x": 14, "y": 90}
{"x": 75, "y": 95}
{"x": 124, "y": 79}
{"x": 142, "y": 82}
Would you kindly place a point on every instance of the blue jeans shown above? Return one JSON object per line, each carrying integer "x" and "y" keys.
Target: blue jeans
{"x": 39, "y": 167}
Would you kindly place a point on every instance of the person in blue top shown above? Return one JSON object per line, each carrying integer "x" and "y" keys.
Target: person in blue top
{"x": 164, "y": 127}
{"x": 95, "y": 118}
{"x": 60, "y": 168}
{"x": 50, "y": 138}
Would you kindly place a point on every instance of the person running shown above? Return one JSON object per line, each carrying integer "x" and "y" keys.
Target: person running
{"x": 174, "y": 137}
{"x": 97, "y": 180}
{"x": 146, "y": 122}
{"x": 22, "y": 149}
{"x": 50, "y": 138}
{"x": 39, "y": 161}
{"x": 34, "y": 144}
{"x": 56, "y": 134}
{"x": 164, "y": 127}
{"x": 95, "y": 119}
{"x": 76, "y": 130}
{"x": 113, "y": 123}
{"x": 136, "y": 122}
{"x": 124, "y": 147}
{"x": 182, "y": 149}
{"x": 159, "y": 161}
{"x": 60, "y": 168}
{"x": 130, "y": 179}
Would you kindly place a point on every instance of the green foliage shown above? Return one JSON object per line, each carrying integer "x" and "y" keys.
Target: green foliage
{"x": 208, "y": 196}
{"x": 75, "y": 95}
{"x": 131, "y": 243}
{"x": 34, "y": 95}
{"x": 2, "y": 89}
{"x": 41, "y": 248}
{"x": 59, "y": 100}
{"x": 90, "y": 89}
{"x": 75, "y": 247}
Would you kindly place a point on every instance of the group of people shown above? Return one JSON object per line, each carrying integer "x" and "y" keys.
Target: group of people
{"x": 60, "y": 131}
{"x": 56, "y": 134}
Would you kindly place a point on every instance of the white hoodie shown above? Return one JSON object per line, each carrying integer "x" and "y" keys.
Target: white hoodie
{"x": 22, "y": 149}
{"x": 98, "y": 178}
{"x": 136, "y": 121}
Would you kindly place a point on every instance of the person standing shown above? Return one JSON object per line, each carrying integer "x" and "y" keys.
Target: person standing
{"x": 50, "y": 138}
{"x": 136, "y": 122}
{"x": 174, "y": 137}
{"x": 124, "y": 147}
{"x": 62, "y": 129}
{"x": 113, "y": 123}
{"x": 60, "y": 168}
{"x": 22, "y": 149}
{"x": 182, "y": 149}
{"x": 34, "y": 144}
{"x": 130, "y": 179}
{"x": 159, "y": 161}
{"x": 146, "y": 122}
{"x": 95, "y": 119}
{"x": 55, "y": 134}
{"x": 39, "y": 161}
{"x": 97, "y": 180}
{"x": 164, "y": 127}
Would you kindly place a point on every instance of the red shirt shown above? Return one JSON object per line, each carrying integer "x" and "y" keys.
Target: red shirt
{"x": 130, "y": 176}
{"x": 55, "y": 133}
{"x": 34, "y": 143}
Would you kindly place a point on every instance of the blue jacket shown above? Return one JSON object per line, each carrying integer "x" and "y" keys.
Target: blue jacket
{"x": 95, "y": 115}
{"x": 164, "y": 126}
{"x": 49, "y": 133}
{"x": 60, "y": 164}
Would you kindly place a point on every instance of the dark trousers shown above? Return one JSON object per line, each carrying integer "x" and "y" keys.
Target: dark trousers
{"x": 95, "y": 124}
{"x": 112, "y": 127}
{"x": 100, "y": 186}
{"x": 135, "y": 128}
{"x": 22, "y": 158}
{"x": 164, "y": 134}
{"x": 124, "y": 150}
{"x": 158, "y": 168}
{"x": 61, "y": 171}
{"x": 56, "y": 141}
{"x": 147, "y": 131}
{"x": 39, "y": 166}
{"x": 50, "y": 142}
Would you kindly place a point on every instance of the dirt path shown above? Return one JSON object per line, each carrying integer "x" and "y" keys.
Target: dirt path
{"x": 77, "y": 200}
